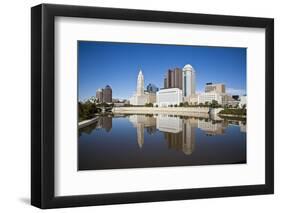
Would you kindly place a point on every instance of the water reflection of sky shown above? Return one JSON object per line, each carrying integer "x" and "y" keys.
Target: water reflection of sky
{"x": 139, "y": 141}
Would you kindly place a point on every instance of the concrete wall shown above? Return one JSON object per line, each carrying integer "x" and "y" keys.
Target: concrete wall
{"x": 188, "y": 111}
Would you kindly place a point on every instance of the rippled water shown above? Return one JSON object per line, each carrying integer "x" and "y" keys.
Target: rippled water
{"x": 139, "y": 141}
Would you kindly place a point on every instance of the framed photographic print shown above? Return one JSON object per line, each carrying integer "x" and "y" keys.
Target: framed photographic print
{"x": 140, "y": 106}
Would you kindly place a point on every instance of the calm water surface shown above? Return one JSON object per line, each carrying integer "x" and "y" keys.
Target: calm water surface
{"x": 138, "y": 141}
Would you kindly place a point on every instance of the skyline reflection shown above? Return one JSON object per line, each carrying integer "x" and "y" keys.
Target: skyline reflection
{"x": 179, "y": 133}
{"x": 137, "y": 141}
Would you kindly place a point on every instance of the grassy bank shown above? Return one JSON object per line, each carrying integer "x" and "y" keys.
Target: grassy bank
{"x": 238, "y": 112}
{"x": 233, "y": 114}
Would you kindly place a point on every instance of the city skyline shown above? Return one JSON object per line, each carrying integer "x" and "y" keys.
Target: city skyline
{"x": 117, "y": 65}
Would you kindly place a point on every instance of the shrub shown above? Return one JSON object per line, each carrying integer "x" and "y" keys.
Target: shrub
{"x": 233, "y": 111}
{"x": 149, "y": 105}
{"x": 86, "y": 110}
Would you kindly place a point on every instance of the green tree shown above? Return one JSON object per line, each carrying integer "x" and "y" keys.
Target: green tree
{"x": 86, "y": 110}
{"x": 215, "y": 104}
{"x": 185, "y": 104}
{"x": 149, "y": 105}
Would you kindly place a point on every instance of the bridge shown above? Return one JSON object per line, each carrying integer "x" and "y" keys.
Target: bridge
{"x": 104, "y": 109}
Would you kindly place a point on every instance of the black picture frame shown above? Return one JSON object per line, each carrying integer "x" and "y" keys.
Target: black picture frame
{"x": 43, "y": 102}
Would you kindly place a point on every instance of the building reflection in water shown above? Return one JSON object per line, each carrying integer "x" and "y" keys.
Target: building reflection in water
{"x": 179, "y": 132}
{"x": 243, "y": 126}
{"x": 105, "y": 122}
{"x": 168, "y": 123}
{"x": 140, "y": 134}
{"x": 211, "y": 127}
{"x": 188, "y": 144}
{"x": 182, "y": 141}
{"x": 140, "y": 122}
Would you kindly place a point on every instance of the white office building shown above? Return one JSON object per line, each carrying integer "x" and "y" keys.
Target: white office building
{"x": 205, "y": 97}
{"x": 167, "y": 97}
{"x": 188, "y": 80}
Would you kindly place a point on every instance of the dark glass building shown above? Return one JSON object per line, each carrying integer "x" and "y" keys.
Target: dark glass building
{"x": 173, "y": 78}
{"x": 104, "y": 95}
{"x": 107, "y": 94}
{"x": 151, "y": 88}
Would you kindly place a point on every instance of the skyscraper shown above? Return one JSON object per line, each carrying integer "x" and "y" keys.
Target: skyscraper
{"x": 151, "y": 88}
{"x": 140, "y": 97}
{"x": 107, "y": 94}
{"x": 178, "y": 78}
{"x": 173, "y": 79}
{"x": 99, "y": 95}
{"x": 165, "y": 82}
{"x": 188, "y": 81}
{"x": 140, "y": 84}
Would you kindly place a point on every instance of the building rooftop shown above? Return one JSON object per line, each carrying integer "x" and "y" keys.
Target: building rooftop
{"x": 187, "y": 67}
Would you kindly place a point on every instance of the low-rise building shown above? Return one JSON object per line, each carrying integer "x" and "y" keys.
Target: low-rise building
{"x": 150, "y": 97}
{"x": 167, "y": 97}
{"x": 193, "y": 99}
{"x": 232, "y": 102}
{"x": 219, "y": 88}
{"x": 140, "y": 100}
{"x": 207, "y": 97}
{"x": 243, "y": 101}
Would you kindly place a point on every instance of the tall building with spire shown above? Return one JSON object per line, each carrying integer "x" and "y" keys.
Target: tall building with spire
{"x": 141, "y": 97}
{"x": 140, "y": 84}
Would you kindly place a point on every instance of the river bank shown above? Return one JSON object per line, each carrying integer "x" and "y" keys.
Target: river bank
{"x": 236, "y": 117}
{"x": 87, "y": 122}
{"x": 197, "y": 112}
{"x": 185, "y": 111}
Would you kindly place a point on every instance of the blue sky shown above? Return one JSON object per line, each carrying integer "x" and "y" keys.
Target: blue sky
{"x": 117, "y": 65}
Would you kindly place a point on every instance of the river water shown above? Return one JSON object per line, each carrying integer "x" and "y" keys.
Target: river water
{"x": 141, "y": 141}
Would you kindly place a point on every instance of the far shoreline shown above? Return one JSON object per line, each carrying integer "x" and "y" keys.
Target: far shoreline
{"x": 197, "y": 112}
